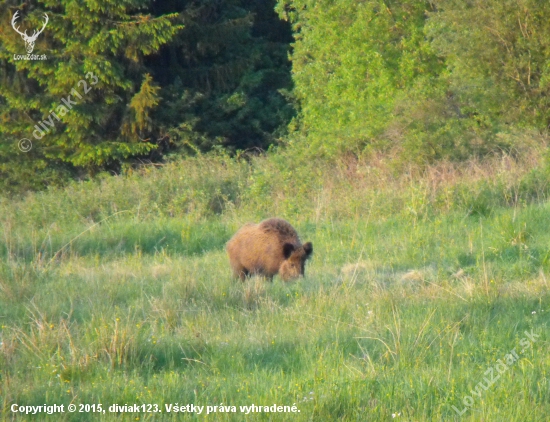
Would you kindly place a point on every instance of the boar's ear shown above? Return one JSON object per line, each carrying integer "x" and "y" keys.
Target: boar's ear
{"x": 288, "y": 248}
{"x": 308, "y": 249}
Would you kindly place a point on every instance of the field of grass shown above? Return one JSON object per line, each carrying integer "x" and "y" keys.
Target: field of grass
{"x": 426, "y": 298}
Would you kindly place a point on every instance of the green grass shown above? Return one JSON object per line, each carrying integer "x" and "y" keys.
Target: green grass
{"x": 411, "y": 296}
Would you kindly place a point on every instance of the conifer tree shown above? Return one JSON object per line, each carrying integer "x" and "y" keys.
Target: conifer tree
{"x": 74, "y": 105}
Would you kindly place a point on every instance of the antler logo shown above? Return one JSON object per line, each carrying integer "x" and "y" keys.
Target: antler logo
{"x": 29, "y": 40}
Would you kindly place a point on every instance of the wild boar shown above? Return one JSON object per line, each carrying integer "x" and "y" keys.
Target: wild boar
{"x": 268, "y": 248}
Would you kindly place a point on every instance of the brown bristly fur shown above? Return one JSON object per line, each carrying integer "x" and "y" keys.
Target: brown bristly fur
{"x": 268, "y": 248}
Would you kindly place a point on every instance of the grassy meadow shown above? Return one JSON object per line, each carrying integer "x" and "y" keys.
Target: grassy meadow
{"x": 118, "y": 291}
